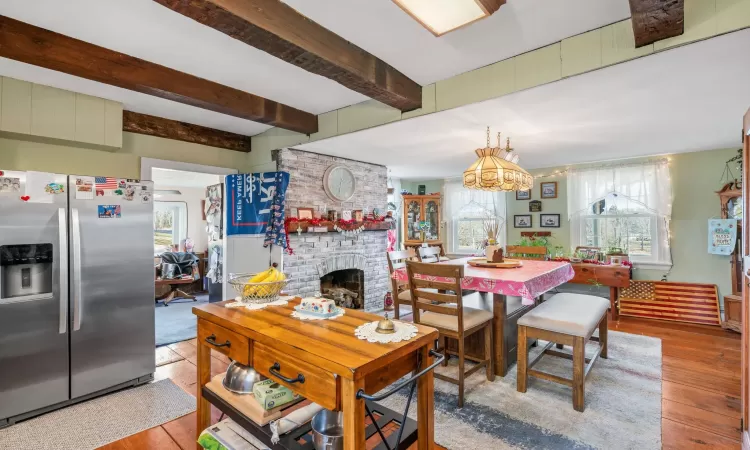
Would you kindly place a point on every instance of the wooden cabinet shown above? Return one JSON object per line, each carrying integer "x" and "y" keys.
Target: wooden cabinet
{"x": 730, "y": 197}
{"x": 421, "y": 219}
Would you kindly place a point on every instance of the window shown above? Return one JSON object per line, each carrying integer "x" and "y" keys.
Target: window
{"x": 467, "y": 210}
{"x": 170, "y": 225}
{"x": 616, "y": 222}
{"x": 626, "y": 207}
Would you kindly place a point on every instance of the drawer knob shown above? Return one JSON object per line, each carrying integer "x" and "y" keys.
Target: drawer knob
{"x": 275, "y": 371}
{"x": 212, "y": 340}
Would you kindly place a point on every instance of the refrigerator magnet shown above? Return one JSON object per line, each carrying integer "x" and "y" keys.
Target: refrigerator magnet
{"x": 10, "y": 185}
{"x": 55, "y": 188}
{"x": 84, "y": 188}
{"x": 130, "y": 192}
{"x": 109, "y": 211}
{"x": 145, "y": 197}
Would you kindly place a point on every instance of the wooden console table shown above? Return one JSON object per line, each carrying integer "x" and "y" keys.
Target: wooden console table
{"x": 614, "y": 277}
{"x": 320, "y": 360}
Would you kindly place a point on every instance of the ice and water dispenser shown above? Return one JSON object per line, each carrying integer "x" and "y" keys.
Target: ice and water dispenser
{"x": 25, "y": 272}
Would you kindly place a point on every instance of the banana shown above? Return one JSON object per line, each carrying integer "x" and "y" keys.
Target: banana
{"x": 267, "y": 276}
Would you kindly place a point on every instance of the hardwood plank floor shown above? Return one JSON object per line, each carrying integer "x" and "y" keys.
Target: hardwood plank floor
{"x": 700, "y": 387}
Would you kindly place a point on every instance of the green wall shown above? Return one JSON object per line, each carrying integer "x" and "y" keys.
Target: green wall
{"x": 431, "y": 186}
{"x": 695, "y": 179}
{"x": 48, "y": 155}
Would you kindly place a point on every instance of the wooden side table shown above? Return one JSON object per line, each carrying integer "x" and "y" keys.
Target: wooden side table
{"x": 321, "y": 360}
{"x": 614, "y": 277}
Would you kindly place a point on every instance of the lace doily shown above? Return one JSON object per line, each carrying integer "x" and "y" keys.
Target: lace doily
{"x": 404, "y": 332}
{"x": 303, "y": 316}
{"x": 253, "y": 306}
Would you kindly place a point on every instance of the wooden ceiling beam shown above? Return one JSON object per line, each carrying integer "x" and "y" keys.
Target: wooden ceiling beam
{"x": 490, "y": 6}
{"x": 33, "y": 45}
{"x": 278, "y": 29}
{"x": 654, "y": 20}
{"x": 134, "y": 122}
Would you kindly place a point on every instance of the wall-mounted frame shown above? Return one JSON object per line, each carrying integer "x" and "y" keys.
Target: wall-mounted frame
{"x": 549, "y": 220}
{"x": 535, "y": 206}
{"x": 548, "y": 189}
{"x": 522, "y": 221}
{"x": 523, "y": 195}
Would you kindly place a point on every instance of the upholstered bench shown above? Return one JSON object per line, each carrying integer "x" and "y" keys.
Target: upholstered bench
{"x": 564, "y": 319}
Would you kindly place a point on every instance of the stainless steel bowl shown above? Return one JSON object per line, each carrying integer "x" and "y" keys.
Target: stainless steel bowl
{"x": 328, "y": 430}
{"x": 240, "y": 379}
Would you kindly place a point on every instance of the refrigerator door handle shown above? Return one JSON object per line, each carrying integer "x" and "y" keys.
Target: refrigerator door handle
{"x": 78, "y": 294}
{"x": 63, "y": 228}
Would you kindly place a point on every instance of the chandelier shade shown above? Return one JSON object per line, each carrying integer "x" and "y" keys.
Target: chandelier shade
{"x": 493, "y": 172}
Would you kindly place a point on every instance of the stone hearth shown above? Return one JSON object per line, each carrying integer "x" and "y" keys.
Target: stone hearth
{"x": 317, "y": 255}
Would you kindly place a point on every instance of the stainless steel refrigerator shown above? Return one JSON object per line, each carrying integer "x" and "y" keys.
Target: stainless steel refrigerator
{"x": 76, "y": 289}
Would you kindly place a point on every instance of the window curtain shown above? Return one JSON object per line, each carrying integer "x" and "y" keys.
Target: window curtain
{"x": 460, "y": 202}
{"x": 648, "y": 184}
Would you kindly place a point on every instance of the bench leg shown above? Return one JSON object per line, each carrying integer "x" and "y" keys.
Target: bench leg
{"x": 523, "y": 360}
{"x": 579, "y": 367}
{"x": 603, "y": 328}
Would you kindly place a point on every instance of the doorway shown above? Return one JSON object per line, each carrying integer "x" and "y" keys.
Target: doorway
{"x": 183, "y": 244}
{"x": 745, "y": 380}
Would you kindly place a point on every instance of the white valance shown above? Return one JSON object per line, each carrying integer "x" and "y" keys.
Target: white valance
{"x": 646, "y": 183}
{"x": 462, "y": 202}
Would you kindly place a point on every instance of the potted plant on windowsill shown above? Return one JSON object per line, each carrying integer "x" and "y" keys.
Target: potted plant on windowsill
{"x": 492, "y": 227}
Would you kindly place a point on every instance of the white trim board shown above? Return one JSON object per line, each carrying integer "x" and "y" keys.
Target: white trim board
{"x": 148, "y": 164}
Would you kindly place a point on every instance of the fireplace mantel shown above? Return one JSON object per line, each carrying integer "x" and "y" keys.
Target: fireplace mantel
{"x": 369, "y": 226}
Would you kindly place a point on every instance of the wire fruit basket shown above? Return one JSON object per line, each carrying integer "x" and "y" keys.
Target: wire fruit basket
{"x": 255, "y": 293}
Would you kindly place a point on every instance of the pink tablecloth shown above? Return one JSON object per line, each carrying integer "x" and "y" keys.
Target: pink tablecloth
{"x": 530, "y": 281}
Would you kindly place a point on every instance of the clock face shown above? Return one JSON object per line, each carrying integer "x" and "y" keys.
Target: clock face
{"x": 340, "y": 183}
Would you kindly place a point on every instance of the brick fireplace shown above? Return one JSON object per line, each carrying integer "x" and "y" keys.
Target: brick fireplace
{"x": 322, "y": 260}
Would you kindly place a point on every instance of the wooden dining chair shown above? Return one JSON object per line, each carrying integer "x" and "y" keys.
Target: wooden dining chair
{"x": 428, "y": 254}
{"x": 522, "y": 252}
{"x": 445, "y": 311}
{"x": 400, "y": 289}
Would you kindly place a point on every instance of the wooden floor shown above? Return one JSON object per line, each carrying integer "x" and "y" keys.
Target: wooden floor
{"x": 700, "y": 387}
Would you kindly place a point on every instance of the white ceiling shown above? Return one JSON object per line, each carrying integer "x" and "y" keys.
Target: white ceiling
{"x": 147, "y": 30}
{"x": 687, "y": 99}
{"x": 519, "y": 26}
{"x": 164, "y": 178}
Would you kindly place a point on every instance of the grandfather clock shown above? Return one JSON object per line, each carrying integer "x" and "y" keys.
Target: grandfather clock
{"x": 731, "y": 208}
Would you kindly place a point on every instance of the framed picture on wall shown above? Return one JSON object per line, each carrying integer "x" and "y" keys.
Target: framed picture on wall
{"x": 548, "y": 189}
{"x": 549, "y": 220}
{"x": 535, "y": 206}
{"x": 522, "y": 221}
{"x": 358, "y": 215}
{"x": 523, "y": 195}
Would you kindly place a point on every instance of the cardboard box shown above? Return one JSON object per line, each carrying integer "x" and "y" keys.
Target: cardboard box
{"x": 271, "y": 394}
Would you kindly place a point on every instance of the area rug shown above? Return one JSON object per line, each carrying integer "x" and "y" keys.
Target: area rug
{"x": 623, "y": 404}
{"x": 176, "y": 322}
{"x": 97, "y": 422}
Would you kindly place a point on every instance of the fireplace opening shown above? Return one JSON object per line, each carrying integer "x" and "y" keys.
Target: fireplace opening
{"x": 346, "y": 287}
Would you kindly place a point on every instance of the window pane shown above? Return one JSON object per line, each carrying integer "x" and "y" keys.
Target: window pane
{"x": 632, "y": 234}
{"x": 471, "y": 234}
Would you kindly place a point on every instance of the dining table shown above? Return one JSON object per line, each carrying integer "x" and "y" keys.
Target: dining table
{"x": 514, "y": 291}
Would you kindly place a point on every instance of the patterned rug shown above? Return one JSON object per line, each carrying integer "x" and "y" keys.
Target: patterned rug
{"x": 623, "y": 404}
{"x": 97, "y": 422}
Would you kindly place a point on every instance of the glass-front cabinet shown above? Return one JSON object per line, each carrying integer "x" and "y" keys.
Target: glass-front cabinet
{"x": 422, "y": 219}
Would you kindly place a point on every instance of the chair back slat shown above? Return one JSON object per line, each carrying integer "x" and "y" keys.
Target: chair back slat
{"x": 432, "y": 284}
{"x": 440, "y": 309}
{"x": 422, "y": 276}
{"x": 429, "y": 254}
{"x": 523, "y": 252}
{"x": 435, "y": 296}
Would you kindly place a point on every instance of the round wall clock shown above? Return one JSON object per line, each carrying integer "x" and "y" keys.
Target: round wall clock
{"x": 339, "y": 183}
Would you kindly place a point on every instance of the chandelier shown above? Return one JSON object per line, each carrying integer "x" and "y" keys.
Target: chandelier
{"x": 497, "y": 169}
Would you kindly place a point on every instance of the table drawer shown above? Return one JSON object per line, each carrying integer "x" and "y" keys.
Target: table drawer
{"x": 319, "y": 385}
{"x": 607, "y": 276}
{"x": 235, "y": 346}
